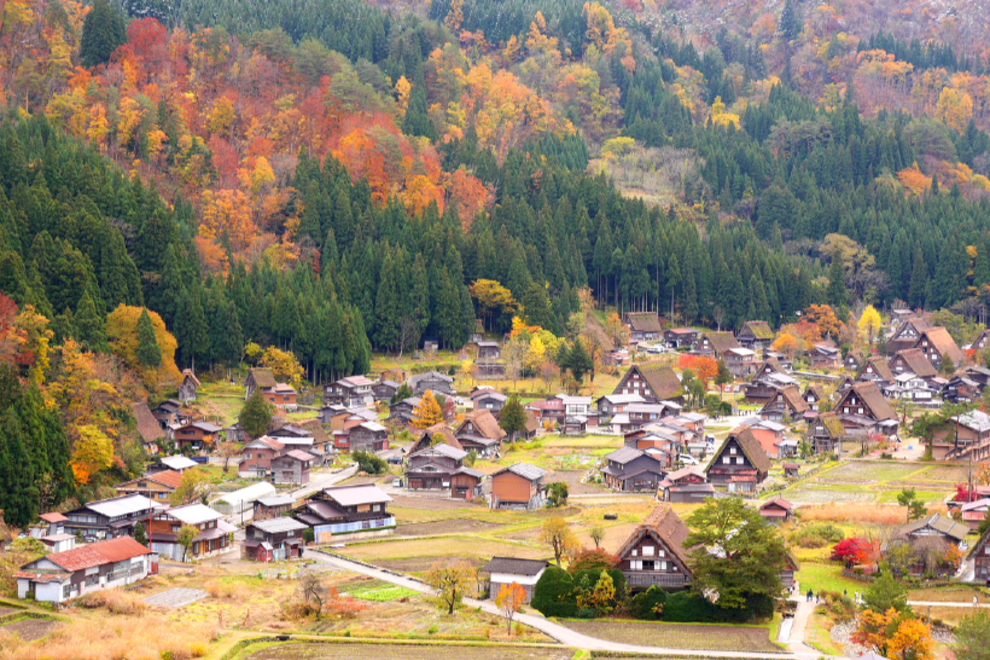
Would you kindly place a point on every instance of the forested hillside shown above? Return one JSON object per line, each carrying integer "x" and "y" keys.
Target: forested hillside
{"x": 333, "y": 177}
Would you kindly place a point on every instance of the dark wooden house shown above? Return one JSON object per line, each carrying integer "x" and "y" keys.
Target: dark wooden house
{"x": 519, "y": 486}
{"x": 188, "y": 386}
{"x": 292, "y": 468}
{"x": 654, "y": 554}
{"x": 433, "y": 381}
{"x": 634, "y": 470}
{"x": 506, "y": 570}
{"x": 275, "y": 506}
{"x": 262, "y": 379}
{"x": 739, "y": 464}
{"x": 939, "y": 346}
{"x": 825, "y": 433}
{"x": 441, "y": 467}
{"x": 979, "y": 554}
{"x": 912, "y": 361}
{"x": 715, "y": 344}
{"x": 346, "y": 511}
{"x": 274, "y": 539}
{"x": 755, "y": 335}
{"x": 777, "y": 510}
{"x": 906, "y": 335}
{"x": 680, "y": 337}
{"x": 643, "y": 326}
{"x": 652, "y": 381}
{"x": 863, "y": 410}
{"x": 787, "y": 402}
{"x": 480, "y": 431}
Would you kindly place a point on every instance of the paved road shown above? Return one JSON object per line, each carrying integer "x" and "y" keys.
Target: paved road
{"x": 562, "y": 634}
{"x": 324, "y": 482}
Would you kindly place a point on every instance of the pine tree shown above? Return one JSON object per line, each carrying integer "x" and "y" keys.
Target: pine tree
{"x": 836, "y": 282}
{"x": 387, "y": 306}
{"x": 512, "y": 417}
{"x": 18, "y": 494}
{"x": 89, "y": 325}
{"x": 148, "y": 352}
{"x": 103, "y": 31}
{"x": 256, "y": 415}
{"x": 917, "y": 291}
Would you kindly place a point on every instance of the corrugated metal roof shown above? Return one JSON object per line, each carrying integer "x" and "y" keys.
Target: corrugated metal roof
{"x": 178, "y": 462}
{"x": 121, "y": 506}
{"x": 361, "y": 494}
{"x": 249, "y": 493}
{"x": 277, "y": 525}
{"x": 194, "y": 514}
{"x": 97, "y": 554}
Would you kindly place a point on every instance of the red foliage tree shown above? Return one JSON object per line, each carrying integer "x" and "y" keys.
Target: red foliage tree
{"x": 851, "y": 551}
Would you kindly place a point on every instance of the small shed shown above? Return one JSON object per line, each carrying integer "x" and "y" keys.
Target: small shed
{"x": 506, "y": 570}
{"x": 777, "y": 511}
{"x": 238, "y": 502}
{"x": 791, "y": 469}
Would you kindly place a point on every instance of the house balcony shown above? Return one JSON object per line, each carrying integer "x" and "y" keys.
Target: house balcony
{"x": 646, "y": 579}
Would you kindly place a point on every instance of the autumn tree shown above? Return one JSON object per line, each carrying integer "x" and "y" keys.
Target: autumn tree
{"x": 493, "y": 298}
{"x": 509, "y": 599}
{"x": 869, "y": 324}
{"x": 194, "y": 485}
{"x": 451, "y": 582}
{"x": 186, "y": 538}
{"x": 427, "y": 412}
{"x": 92, "y": 452}
{"x": 284, "y": 365}
{"x": 122, "y": 331}
{"x": 556, "y": 533}
{"x": 313, "y": 591}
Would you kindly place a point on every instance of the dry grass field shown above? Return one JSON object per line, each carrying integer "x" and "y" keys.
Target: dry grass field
{"x": 676, "y": 635}
{"x": 402, "y": 652}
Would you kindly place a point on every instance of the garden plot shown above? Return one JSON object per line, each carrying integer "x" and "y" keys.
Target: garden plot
{"x": 404, "y": 652}
{"x": 30, "y": 629}
{"x": 454, "y": 526}
{"x": 809, "y": 494}
{"x": 682, "y": 636}
{"x": 863, "y": 472}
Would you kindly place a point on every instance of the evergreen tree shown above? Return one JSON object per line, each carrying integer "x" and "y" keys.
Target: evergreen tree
{"x": 148, "y": 352}
{"x": 577, "y": 361}
{"x": 417, "y": 120}
{"x": 917, "y": 292}
{"x": 256, "y": 415}
{"x": 89, "y": 325}
{"x": 387, "y": 307}
{"x": 512, "y": 417}
{"x": 18, "y": 492}
{"x": 103, "y": 31}
{"x": 837, "y": 282}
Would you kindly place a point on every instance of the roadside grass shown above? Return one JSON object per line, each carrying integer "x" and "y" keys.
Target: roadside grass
{"x": 954, "y": 594}
{"x": 368, "y": 650}
{"x": 816, "y": 634}
{"x": 382, "y": 592}
{"x": 447, "y": 547}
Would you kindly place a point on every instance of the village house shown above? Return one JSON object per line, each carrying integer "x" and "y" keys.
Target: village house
{"x": 488, "y": 364}
{"x": 939, "y": 346}
{"x": 235, "y": 433}
{"x": 755, "y": 335}
{"x": 982, "y": 342}
{"x": 769, "y": 434}
{"x": 274, "y": 539}
{"x": 979, "y": 554}
{"x": 367, "y": 437}
{"x": 652, "y": 381}
{"x": 634, "y": 470}
{"x": 961, "y": 389}
{"x": 876, "y": 369}
{"x": 275, "y": 506}
{"x": 169, "y": 413}
{"x": 401, "y": 412}
{"x": 480, "y": 431}
{"x": 49, "y": 524}
{"x": 824, "y": 356}
{"x": 256, "y": 457}
{"x": 488, "y": 399}
{"x": 906, "y": 335}
{"x": 258, "y": 378}
{"x": 333, "y": 415}
{"x": 613, "y": 404}
{"x": 148, "y": 428}
{"x": 188, "y": 386}
{"x": 791, "y": 470}
{"x": 441, "y": 467}
{"x": 198, "y": 436}
{"x": 854, "y": 360}
{"x": 549, "y": 411}
{"x": 384, "y": 390}
{"x": 178, "y": 463}
{"x": 638, "y": 415}
{"x": 508, "y": 570}
{"x": 688, "y": 485}
{"x": 109, "y": 518}
{"x": 347, "y": 511}
{"x": 241, "y": 501}
{"x": 216, "y": 536}
{"x": 912, "y": 361}
{"x": 434, "y": 381}
{"x": 786, "y": 404}
{"x": 434, "y": 435}
{"x": 769, "y": 377}
{"x": 643, "y": 326}
{"x": 932, "y": 535}
{"x": 777, "y": 510}
{"x": 741, "y": 362}
{"x": 863, "y": 411}
{"x": 58, "y": 577}
{"x": 715, "y": 344}
{"x": 655, "y": 437}
{"x": 351, "y": 392}
{"x": 519, "y": 486}
{"x": 910, "y": 387}
{"x": 282, "y": 396}
{"x": 680, "y": 337}
{"x": 968, "y": 437}
{"x": 157, "y": 486}
{"x": 791, "y": 567}
{"x": 813, "y": 395}
{"x": 292, "y": 468}
{"x": 740, "y": 464}
{"x": 654, "y": 554}
{"x": 972, "y": 514}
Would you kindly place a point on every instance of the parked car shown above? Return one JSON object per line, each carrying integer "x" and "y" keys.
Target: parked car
{"x": 687, "y": 459}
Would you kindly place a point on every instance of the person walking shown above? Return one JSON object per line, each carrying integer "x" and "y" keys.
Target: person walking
{"x": 810, "y": 594}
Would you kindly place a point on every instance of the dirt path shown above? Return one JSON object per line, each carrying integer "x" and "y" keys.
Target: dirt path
{"x": 564, "y": 635}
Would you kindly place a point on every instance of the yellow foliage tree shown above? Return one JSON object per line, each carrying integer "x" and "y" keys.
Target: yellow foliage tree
{"x": 869, "y": 323}
{"x": 222, "y": 117}
{"x": 912, "y": 641}
{"x": 121, "y": 328}
{"x": 284, "y": 365}
{"x": 455, "y": 16}
{"x": 93, "y": 451}
{"x": 953, "y": 109}
{"x": 402, "y": 90}
{"x": 37, "y": 337}
{"x": 722, "y": 118}
{"x": 787, "y": 344}
{"x": 427, "y": 413}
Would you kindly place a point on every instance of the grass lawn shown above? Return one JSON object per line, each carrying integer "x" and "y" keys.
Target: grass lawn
{"x": 827, "y": 576}
{"x": 816, "y": 634}
{"x": 448, "y": 546}
{"x": 680, "y": 635}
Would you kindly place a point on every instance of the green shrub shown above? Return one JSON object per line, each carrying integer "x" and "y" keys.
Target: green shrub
{"x": 585, "y": 613}
{"x": 369, "y": 462}
{"x": 688, "y": 607}
{"x": 553, "y": 594}
{"x": 618, "y": 579}
{"x": 649, "y": 604}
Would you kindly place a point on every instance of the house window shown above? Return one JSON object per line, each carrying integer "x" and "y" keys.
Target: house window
{"x": 247, "y": 455}
{"x": 739, "y": 461}
{"x": 647, "y": 550}
{"x": 726, "y": 460}
{"x": 66, "y": 590}
{"x": 732, "y": 450}
{"x": 662, "y": 566}
{"x": 636, "y": 565}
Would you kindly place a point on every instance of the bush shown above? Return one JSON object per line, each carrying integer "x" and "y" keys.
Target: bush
{"x": 596, "y": 560}
{"x": 369, "y": 462}
{"x": 585, "y": 613}
{"x": 816, "y": 535}
{"x": 688, "y": 607}
{"x": 618, "y": 579}
{"x": 114, "y": 600}
{"x": 649, "y": 604}
{"x": 553, "y": 594}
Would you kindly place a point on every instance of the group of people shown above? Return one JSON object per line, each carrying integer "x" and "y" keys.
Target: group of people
{"x": 813, "y": 597}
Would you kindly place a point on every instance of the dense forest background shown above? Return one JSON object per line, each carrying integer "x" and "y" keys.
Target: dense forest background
{"x": 332, "y": 177}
